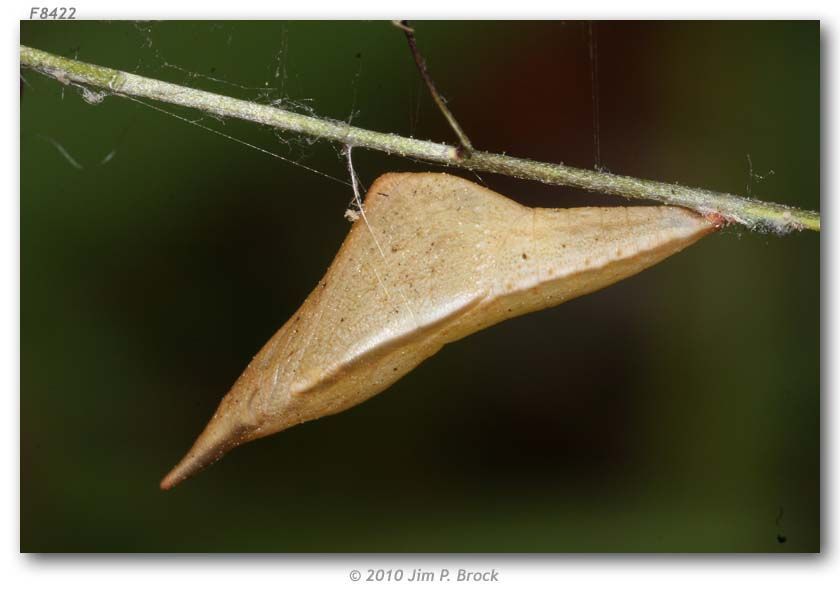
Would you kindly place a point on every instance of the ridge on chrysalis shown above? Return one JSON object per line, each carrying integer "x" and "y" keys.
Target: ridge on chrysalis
{"x": 434, "y": 259}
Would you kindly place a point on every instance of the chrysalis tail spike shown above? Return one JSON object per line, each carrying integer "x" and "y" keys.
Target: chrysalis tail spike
{"x": 219, "y": 437}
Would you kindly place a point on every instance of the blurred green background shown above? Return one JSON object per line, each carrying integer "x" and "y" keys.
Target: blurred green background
{"x": 675, "y": 411}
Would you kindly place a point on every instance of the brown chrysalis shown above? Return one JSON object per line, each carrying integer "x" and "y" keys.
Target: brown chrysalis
{"x": 434, "y": 259}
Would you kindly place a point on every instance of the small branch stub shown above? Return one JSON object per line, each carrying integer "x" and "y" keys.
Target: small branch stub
{"x": 465, "y": 149}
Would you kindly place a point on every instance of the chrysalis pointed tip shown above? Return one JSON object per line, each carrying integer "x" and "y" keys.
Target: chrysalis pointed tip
{"x": 170, "y": 481}
{"x": 217, "y": 439}
{"x": 187, "y": 467}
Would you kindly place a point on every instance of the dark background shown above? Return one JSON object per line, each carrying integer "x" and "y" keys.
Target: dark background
{"x": 675, "y": 411}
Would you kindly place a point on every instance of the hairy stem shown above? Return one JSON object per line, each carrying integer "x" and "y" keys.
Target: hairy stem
{"x": 757, "y": 215}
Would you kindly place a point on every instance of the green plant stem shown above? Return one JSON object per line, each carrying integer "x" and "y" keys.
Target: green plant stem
{"x": 755, "y": 214}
